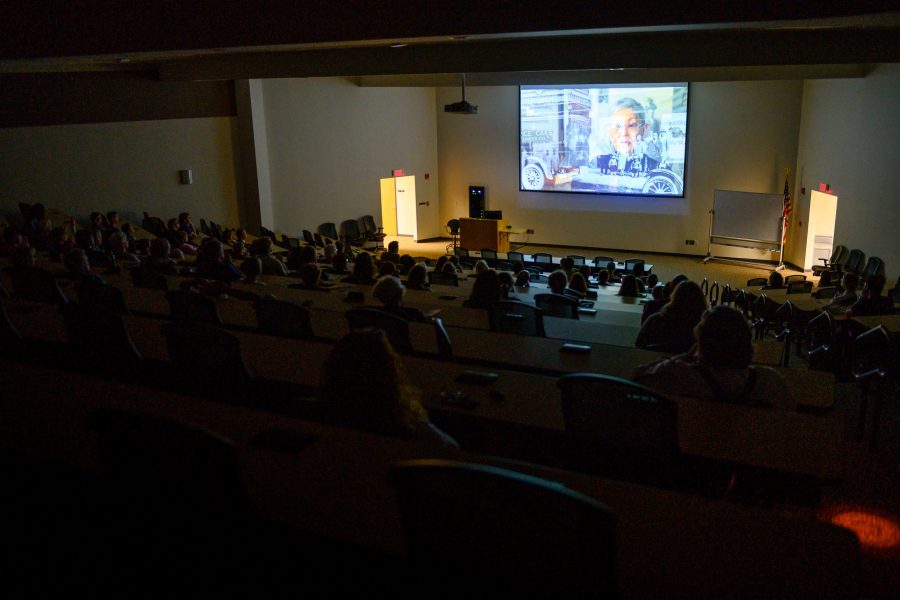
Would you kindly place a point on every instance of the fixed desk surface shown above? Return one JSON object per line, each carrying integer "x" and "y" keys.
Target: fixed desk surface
{"x": 526, "y": 401}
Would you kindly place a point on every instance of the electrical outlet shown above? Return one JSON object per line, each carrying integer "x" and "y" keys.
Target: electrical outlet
{"x": 689, "y": 242}
{"x": 529, "y": 231}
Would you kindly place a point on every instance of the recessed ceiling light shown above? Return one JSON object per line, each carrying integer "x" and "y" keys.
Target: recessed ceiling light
{"x": 459, "y": 37}
{"x": 399, "y": 45}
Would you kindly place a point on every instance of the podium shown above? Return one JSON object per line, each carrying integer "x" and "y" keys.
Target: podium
{"x": 475, "y": 234}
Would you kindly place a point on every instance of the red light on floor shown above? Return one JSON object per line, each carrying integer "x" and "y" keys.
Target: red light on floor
{"x": 872, "y": 530}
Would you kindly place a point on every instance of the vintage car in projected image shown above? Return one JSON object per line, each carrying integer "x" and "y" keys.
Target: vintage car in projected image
{"x": 537, "y": 175}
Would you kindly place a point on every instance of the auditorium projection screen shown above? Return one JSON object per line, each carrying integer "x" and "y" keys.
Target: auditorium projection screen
{"x": 603, "y": 139}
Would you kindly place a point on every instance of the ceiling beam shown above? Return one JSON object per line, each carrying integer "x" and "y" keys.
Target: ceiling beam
{"x": 666, "y": 50}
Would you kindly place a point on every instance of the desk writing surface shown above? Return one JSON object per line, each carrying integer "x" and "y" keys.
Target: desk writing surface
{"x": 890, "y": 322}
{"x": 337, "y": 484}
{"x": 527, "y": 400}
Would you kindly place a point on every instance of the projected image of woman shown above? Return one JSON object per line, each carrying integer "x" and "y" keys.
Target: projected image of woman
{"x": 627, "y": 127}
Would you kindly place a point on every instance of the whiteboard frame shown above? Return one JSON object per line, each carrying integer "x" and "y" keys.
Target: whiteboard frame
{"x": 746, "y": 243}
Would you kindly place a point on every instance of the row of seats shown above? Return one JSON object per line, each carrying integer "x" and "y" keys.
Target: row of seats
{"x": 844, "y": 261}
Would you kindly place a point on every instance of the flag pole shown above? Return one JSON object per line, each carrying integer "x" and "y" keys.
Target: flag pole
{"x": 784, "y": 217}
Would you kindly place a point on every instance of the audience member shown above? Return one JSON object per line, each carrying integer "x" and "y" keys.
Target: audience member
{"x": 523, "y": 279}
{"x": 182, "y": 242}
{"x": 78, "y": 267}
{"x": 481, "y": 266}
{"x": 185, "y": 224}
{"x": 506, "y": 283}
{"x": 159, "y": 259}
{"x": 557, "y": 281}
{"x": 310, "y": 278}
{"x": 374, "y": 394}
{"x": 392, "y": 253}
{"x": 418, "y": 278}
{"x": 252, "y": 269}
{"x": 363, "y": 270}
{"x": 330, "y": 251}
{"x": 846, "y": 297}
{"x": 602, "y": 278}
{"x": 387, "y": 269}
{"x": 485, "y": 290}
{"x": 578, "y": 284}
{"x": 118, "y": 245}
{"x": 271, "y": 265}
{"x": 871, "y": 302}
{"x": 657, "y": 301}
{"x": 212, "y": 263}
{"x": 776, "y": 281}
{"x": 718, "y": 366}
{"x": 672, "y": 327}
{"x": 629, "y": 287}
{"x": 389, "y": 291}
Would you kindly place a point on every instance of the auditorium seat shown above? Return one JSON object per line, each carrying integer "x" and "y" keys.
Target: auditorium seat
{"x": 499, "y": 532}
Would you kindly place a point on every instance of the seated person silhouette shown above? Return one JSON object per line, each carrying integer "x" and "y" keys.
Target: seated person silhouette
{"x": 718, "y": 366}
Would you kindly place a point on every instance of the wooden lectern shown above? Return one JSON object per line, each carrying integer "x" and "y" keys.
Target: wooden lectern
{"x": 475, "y": 234}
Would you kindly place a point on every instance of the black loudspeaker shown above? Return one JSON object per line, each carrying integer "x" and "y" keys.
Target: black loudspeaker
{"x": 476, "y": 201}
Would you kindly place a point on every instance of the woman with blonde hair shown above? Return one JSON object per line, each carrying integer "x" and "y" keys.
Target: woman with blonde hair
{"x": 364, "y": 387}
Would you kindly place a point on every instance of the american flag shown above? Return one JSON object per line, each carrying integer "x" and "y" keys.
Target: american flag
{"x": 786, "y": 211}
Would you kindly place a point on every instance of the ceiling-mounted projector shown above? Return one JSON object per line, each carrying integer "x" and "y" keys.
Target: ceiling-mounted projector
{"x": 462, "y": 107}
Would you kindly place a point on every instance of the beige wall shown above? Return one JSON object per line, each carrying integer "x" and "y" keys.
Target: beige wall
{"x": 742, "y": 135}
{"x": 130, "y": 167}
{"x": 330, "y": 142}
{"x": 850, "y": 139}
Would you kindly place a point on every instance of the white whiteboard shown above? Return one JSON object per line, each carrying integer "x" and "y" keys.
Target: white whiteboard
{"x": 747, "y": 216}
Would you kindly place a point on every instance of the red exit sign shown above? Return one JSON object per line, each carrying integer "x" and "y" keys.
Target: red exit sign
{"x": 397, "y": 172}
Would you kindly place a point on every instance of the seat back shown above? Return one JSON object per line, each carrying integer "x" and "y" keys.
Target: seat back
{"x": 37, "y": 285}
{"x": 10, "y": 338}
{"x": 367, "y": 225}
{"x": 576, "y": 259}
{"x": 101, "y": 336}
{"x": 757, "y": 282}
{"x": 557, "y": 305}
{"x": 308, "y": 237}
{"x": 186, "y": 306}
{"x": 542, "y": 258}
{"x": 874, "y": 266}
{"x": 516, "y": 317}
{"x": 396, "y": 328}
{"x": 444, "y": 344}
{"x": 440, "y": 278}
{"x": 101, "y": 294}
{"x": 489, "y": 255}
{"x": 515, "y": 256}
{"x": 792, "y": 278}
{"x": 143, "y": 277}
{"x": 476, "y": 527}
{"x": 204, "y": 228}
{"x": 838, "y": 254}
{"x": 601, "y": 261}
{"x": 800, "y": 287}
{"x": 284, "y": 319}
{"x": 176, "y": 498}
{"x": 855, "y": 261}
{"x": 328, "y": 230}
{"x": 619, "y": 427}
{"x": 820, "y": 340}
{"x": 167, "y": 459}
{"x": 207, "y": 360}
{"x": 634, "y": 266}
{"x": 350, "y": 231}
